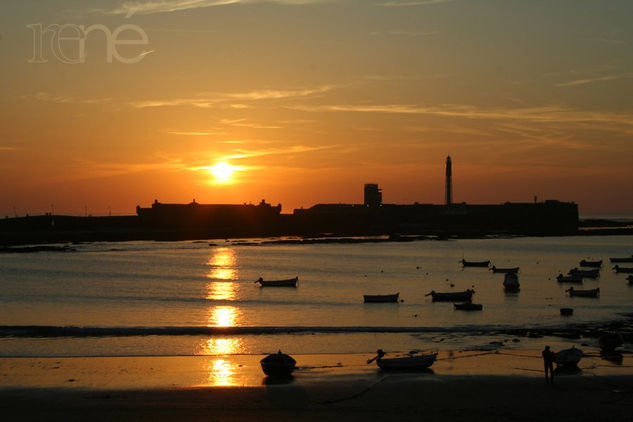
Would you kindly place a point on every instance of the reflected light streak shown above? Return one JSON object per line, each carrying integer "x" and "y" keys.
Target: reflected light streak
{"x": 223, "y": 265}
{"x": 223, "y": 316}
{"x": 221, "y": 346}
{"x": 221, "y": 373}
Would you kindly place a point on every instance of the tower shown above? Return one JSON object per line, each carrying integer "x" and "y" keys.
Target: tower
{"x": 449, "y": 181}
{"x": 373, "y": 195}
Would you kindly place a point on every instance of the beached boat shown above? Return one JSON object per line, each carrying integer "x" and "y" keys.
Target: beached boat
{"x": 583, "y": 293}
{"x": 595, "y": 273}
{"x": 608, "y": 342}
{"x": 510, "y": 270}
{"x": 468, "y": 306}
{"x": 625, "y": 270}
{"x": 591, "y": 264}
{"x": 278, "y": 365}
{"x": 566, "y": 311}
{"x": 630, "y": 280}
{"x": 290, "y": 282}
{"x": 381, "y": 298}
{"x": 622, "y": 260}
{"x": 465, "y": 296}
{"x": 511, "y": 282}
{"x": 475, "y": 263}
{"x": 411, "y": 362}
{"x": 568, "y": 357}
{"x": 568, "y": 278}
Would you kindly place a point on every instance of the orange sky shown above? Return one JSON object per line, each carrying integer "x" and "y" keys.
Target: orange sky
{"x": 312, "y": 99}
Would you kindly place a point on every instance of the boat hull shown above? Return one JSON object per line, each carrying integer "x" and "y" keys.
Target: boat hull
{"x": 278, "y": 365}
{"x": 584, "y": 293}
{"x": 475, "y": 263}
{"x": 569, "y": 357}
{"x": 381, "y": 298}
{"x": 291, "y": 282}
{"x": 452, "y": 296}
{"x": 407, "y": 363}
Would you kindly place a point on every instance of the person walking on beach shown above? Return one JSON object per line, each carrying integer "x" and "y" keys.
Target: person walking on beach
{"x": 548, "y": 359}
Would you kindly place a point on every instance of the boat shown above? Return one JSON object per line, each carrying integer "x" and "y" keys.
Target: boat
{"x": 630, "y": 280}
{"x": 595, "y": 273}
{"x": 381, "y": 298}
{"x": 621, "y": 260}
{"x": 625, "y": 270}
{"x": 510, "y": 270}
{"x": 583, "y": 293}
{"x": 475, "y": 263}
{"x": 568, "y": 357}
{"x": 511, "y": 282}
{"x": 566, "y": 311}
{"x": 468, "y": 306}
{"x": 568, "y": 278}
{"x": 410, "y": 362}
{"x": 290, "y": 282}
{"x": 608, "y": 342}
{"x": 591, "y": 264}
{"x": 465, "y": 296}
{"x": 278, "y": 365}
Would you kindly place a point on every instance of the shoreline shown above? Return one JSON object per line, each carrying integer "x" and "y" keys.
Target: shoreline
{"x": 466, "y": 386}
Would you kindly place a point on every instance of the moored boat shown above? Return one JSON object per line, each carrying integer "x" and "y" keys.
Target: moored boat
{"x": 509, "y": 270}
{"x": 381, "y": 298}
{"x": 511, "y": 282}
{"x": 468, "y": 306}
{"x": 568, "y": 278}
{"x": 290, "y": 282}
{"x": 622, "y": 260}
{"x": 608, "y": 342}
{"x": 595, "y": 273}
{"x": 583, "y": 293}
{"x": 475, "y": 263}
{"x": 591, "y": 264}
{"x": 411, "y": 362}
{"x": 630, "y": 280}
{"x": 568, "y": 357}
{"x": 625, "y": 270}
{"x": 465, "y": 296}
{"x": 278, "y": 365}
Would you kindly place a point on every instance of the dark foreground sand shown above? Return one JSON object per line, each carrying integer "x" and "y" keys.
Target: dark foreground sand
{"x": 341, "y": 391}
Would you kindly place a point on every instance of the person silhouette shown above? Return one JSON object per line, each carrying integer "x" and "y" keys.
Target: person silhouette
{"x": 548, "y": 360}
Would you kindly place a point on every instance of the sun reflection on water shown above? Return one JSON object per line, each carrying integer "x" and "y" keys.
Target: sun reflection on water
{"x": 223, "y": 265}
{"x": 221, "y": 372}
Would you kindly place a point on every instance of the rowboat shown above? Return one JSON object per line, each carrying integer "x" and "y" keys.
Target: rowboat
{"x": 568, "y": 357}
{"x": 475, "y": 263}
{"x": 568, "y": 278}
{"x": 622, "y": 260}
{"x": 626, "y": 270}
{"x": 566, "y": 311}
{"x": 381, "y": 298}
{"x": 510, "y": 270}
{"x": 511, "y": 282}
{"x": 591, "y": 264}
{"x": 468, "y": 306}
{"x": 608, "y": 342}
{"x": 465, "y": 296}
{"x": 410, "y": 362}
{"x": 595, "y": 273}
{"x": 278, "y": 365}
{"x": 630, "y": 280}
{"x": 583, "y": 293}
{"x": 290, "y": 282}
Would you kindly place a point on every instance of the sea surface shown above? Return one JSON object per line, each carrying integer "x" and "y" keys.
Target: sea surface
{"x": 180, "y": 298}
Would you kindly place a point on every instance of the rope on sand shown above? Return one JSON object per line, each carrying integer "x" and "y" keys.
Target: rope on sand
{"x": 360, "y": 393}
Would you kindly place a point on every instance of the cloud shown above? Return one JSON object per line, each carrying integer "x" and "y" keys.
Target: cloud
{"x": 592, "y": 80}
{"x": 397, "y": 32}
{"x": 7, "y": 148}
{"x": 409, "y": 3}
{"x": 130, "y": 8}
{"x": 195, "y": 133}
{"x": 63, "y": 99}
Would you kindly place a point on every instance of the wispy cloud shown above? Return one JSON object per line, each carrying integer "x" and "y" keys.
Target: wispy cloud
{"x": 63, "y": 99}
{"x": 409, "y": 3}
{"x": 7, "y": 148}
{"x": 246, "y": 123}
{"x": 398, "y": 32}
{"x": 130, "y": 8}
{"x": 593, "y": 80}
{"x": 203, "y": 133}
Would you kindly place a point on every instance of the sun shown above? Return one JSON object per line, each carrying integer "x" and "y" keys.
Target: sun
{"x": 223, "y": 172}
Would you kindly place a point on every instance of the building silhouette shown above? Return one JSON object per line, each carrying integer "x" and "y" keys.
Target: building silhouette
{"x": 373, "y": 195}
{"x": 449, "y": 181}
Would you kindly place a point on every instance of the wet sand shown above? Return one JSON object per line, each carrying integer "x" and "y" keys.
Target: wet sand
{"x": 503, "y": 385}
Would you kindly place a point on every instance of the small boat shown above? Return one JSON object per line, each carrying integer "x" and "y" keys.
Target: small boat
{"x": 568, "y": 278}
{"x": 381, "y": 298}
{"x": 591, "y": 264}
{"x": 583, "y": 293}
{"x": 510, "y": 270}
{"x": 622, "y": 260}
{"x": 468, "y": 306}
{"x": 609, "y": 342}
{"x": 595, "y": 273}
{"x": 278, "y": 365}
{"x": 568, "y": 357}
{"x": 410, "y": 362}
{"x": 511, "y": 282}
{"x": 625, "y": 270}
{"x": 475, "y": 263}
{"x": 290, "y": 282}
{"x": 465, "y": 296}
{"x": 566, "y": 311}
{"x": 630, "y": 280}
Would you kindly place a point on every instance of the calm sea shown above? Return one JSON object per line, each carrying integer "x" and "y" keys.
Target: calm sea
{"x": 170, "y": 291}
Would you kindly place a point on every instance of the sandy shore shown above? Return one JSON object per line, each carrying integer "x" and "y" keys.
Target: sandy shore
{"x": 506, "y": 385}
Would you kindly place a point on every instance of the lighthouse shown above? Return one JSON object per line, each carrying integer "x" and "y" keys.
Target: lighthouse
{"x": 449, "y": 181}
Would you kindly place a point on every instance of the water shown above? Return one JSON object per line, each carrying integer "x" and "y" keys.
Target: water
{"x": 174, "y": 293}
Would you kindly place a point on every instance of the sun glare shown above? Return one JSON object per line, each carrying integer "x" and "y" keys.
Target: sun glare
{"x": 222, "y": 172}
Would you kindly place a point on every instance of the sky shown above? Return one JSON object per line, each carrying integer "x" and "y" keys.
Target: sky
{"x": 307, "y": 100}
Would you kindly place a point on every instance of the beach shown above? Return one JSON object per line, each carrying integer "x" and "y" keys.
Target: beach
{"x": 501, "y": 384}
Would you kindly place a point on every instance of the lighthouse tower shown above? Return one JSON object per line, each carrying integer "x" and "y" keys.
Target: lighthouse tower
{"x": 449, "y": 181}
